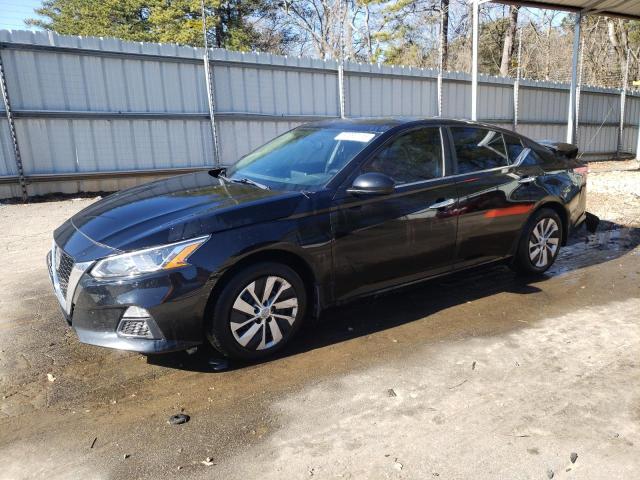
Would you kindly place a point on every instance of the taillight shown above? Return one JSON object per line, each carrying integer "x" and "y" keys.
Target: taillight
{"x": 584, "y": 171}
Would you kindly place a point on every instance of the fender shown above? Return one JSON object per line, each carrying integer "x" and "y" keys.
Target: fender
{"x": 555, "y": 204}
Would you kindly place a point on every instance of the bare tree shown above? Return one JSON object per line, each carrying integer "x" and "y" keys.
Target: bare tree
{"x": 320, "y": 20}
{"x": 508, "y": 45}
{"x": 444, "y": 11}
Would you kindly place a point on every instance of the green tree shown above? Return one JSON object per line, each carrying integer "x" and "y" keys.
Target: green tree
{"x": 229, "y": 22}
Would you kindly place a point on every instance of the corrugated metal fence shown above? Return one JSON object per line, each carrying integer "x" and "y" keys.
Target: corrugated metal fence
{"x": 99, "y": 114}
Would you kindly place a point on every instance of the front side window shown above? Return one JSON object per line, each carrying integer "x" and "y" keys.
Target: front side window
{"x": 478, "y": 149}
{"x": 412, "y": 157}
{"x": 305, "y": 158}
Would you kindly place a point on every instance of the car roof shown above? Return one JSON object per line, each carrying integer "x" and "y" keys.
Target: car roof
{"x": 383, "y": 124}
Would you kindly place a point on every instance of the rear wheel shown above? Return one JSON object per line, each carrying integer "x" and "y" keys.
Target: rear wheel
{"x": 258, "y": 311}
{"x": 540, "y": 242}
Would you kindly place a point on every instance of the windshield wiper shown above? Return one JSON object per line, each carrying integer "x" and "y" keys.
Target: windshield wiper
{"x": 247, "y": 181}
{"x": 220, "y": 173}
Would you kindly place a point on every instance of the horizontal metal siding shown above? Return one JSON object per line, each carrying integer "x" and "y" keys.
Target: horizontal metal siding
{"x": 389, "y": 91}
{"x": 632, "y": 111}
{"x": 599, "y": 108}
{"x": 543, "y": 132}
{"x": 244, "y": 87}
{"x": 7, "y": 157}
{"x": 456, "y": 100}
{"x": 113, "y": 78}
{"x": 63, "y": 146}
{"x": 244, "y": 136}
{"x": 542, "y": 105}
{"x": 595, "y": 139}
{"x": 495, "y": 101}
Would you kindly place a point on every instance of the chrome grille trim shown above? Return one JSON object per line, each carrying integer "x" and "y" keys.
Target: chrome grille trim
{"x": 64, "y": 265}
{"x": 64, "y": 284}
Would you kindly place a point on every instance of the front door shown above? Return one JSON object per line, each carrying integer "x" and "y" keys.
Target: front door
{"x": 383, "y": 241}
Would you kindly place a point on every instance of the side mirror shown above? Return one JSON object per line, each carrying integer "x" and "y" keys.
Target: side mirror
{"x": 372, "y": 184}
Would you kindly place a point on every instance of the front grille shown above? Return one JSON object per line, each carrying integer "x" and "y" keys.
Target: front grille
{"x": 134, "y": 328}
{"x": 64, "y": 265}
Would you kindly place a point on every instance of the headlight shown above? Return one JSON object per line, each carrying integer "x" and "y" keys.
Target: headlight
{"x": 148, "y": 260}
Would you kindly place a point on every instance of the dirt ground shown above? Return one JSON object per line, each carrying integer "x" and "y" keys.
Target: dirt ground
{"x": 479, "y": 375}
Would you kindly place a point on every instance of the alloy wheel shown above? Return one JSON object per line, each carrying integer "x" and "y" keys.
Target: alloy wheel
{"x": 544, "y": 242}
{"x": 263, "y": 313}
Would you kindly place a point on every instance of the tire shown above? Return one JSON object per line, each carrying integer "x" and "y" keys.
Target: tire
{"x": 539, "y": 243}
{"x": 245, "y": 323}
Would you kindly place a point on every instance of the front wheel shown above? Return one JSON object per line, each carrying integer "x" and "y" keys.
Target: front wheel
{"x": 258, "y": 311}
{"x": 540, "y": 242}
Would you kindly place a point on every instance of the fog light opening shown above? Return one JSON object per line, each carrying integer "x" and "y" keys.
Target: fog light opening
{"x": 135, "y": 323}
{"x": 136, "y": 312}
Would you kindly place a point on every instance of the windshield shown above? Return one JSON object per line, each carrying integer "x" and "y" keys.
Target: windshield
{"x": 302, "y": 159}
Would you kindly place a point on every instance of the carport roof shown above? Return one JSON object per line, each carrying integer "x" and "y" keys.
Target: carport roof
{"x": 615, "y": 8}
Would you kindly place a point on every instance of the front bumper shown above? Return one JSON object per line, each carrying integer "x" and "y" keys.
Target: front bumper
{"x": 94, "y": 308}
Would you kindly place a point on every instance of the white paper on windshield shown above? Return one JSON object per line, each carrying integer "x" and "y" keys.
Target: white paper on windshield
{"x": 355, "y": 136}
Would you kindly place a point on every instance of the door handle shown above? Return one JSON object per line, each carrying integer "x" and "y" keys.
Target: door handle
{"x": 527, "y": 180}
{"x": 442, "y": 204}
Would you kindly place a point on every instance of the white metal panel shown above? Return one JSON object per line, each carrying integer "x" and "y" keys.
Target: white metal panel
{"x": 543, "y": 132}
{"x": 243, "y": 136}
{"x": 599, "y": 108}
{"x": 64, "y": 146}
{"x": 245, "y": 85}
{"x": 543, "y": 104}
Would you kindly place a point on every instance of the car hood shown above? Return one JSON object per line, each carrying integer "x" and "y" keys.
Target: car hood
{"x": 178, "y": 208}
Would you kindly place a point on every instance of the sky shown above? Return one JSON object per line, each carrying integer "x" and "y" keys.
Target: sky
{"x": 13, "y": 13}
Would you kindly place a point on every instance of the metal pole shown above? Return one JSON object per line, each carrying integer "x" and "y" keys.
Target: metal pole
{"x": 341, "y": 88}
{"x": 441, "y": 62}
{"x": 638, "y": 146}
{"x": 474, "y": 62}
{"x": 12, "y": 132}
{"x": 579, "y": 92}
{"x": 341, "y": 99}
{"x": 516, "y": 84}
{"x": 623, "y": 100}
{"x": 572, "y": 114}
{"x": 208, "y": 73}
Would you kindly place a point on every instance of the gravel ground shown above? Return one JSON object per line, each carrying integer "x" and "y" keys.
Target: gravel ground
{"x": 614, "y": 191}
{"x": 479, "y": 375}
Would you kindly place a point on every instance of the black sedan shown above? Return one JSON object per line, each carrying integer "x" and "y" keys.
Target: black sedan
{"x": 322, "y": 214}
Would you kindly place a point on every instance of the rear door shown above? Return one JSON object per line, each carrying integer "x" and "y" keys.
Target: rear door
{"x": 495, "y": 193}
{"x": 383, "y": 241}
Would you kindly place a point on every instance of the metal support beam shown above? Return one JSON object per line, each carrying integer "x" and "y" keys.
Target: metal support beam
{"x": 341, "y": 96}
{"x": 516, "y": 84}
{"x": 623, "y": 101}
{"x": 579, "y": 90}
{"x": 474, "y": 61}
{"x": 638, "y": 145}
{"x": 441, "y": 60}
{"x": 341, "y": 100}
{"x": 572, "y": 114}
{"x": 12, "y": 132}
{"x": 208, "y": 72}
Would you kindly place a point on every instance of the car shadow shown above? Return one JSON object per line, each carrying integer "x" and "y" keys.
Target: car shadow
{"x": 374, "y": 314}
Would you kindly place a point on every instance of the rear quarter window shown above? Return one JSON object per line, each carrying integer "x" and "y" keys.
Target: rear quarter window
{"x": 514, "y": 147}
{"x": 544, "y": 158}
{"x": 478, "y": 149}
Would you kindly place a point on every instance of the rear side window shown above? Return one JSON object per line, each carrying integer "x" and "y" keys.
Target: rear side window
{"x": 514, "y": 147}
{"x": 542, "y": 157}
{"x": 478, "y": 149}
{"x": 531, "y": 159}
{"x": 412, "y": 157}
